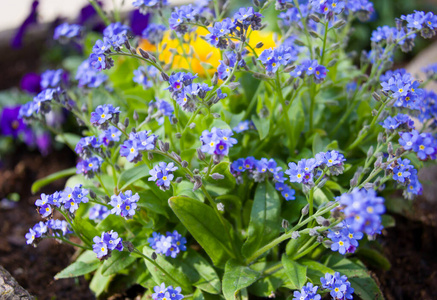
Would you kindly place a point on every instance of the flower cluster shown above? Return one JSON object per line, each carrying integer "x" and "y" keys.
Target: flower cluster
{"x": 109, "y": 137}
{"x": 362, "y": 209}
{"x": 247, "y": 17}
{"x": 137, "y": 142}
{"x": 312, "y": 68}
{"x": 406, "y": 174}
{"x": 170, "y": 244}
{"x": 88, "y": 76}
{"x": 306, "y": 169}
{"x": 431, "y": 71}
{"x": 428, "y": 106}
{"x": 218, "y": 33}
{"x": 309, "y": 291}
{"x": 181, "y": 16}
{"x": 425, "y": 23}
{"x": 104, "y": 245}
{"x": 400, "y": 121}
{"x": 272, "y": 59}
{"x": 402, "y": 87}
{"x": 124, "y": 204}
{"x": 217, "y": 141}
{"x": 103, "y": 115}
{"x": 145, "y": 5}
{"x": 258, "y": 170}
{"x": 154, "y": 33}
{"x": 39, "y": 105}
{"x": 424, "y": 144}
{"x": 344, "y": 238}
{"x": 164, "y": 109}
{"x": 228, "y": 63}
{"x": 185, "y": 92}
{"x": 161, "y": 292}
{"x": 66, "y": 32}
{"x": 53, "y": 78}
{"x": 41, "y": 229}
{"x": 162, "y": 173}
{"x": 89, "y": 167}
{"x": 70, "y": 198}
{"x": 339, "y": 287}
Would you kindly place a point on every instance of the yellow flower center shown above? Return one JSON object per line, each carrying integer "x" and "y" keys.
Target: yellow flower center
{"x": 90, "y": 165}
{"x": 421, "y": 147}
{"x": 132, "y": 149}
{"x": 164, "y": 177}
{"x": 100, "y": 59}
{"x": 103, "y": 249}
{"x": 401, "y": 90}
{"x": 399, "y": 173}
{"x": 127, "y": 207}
{"x": 340, "y": 243}
{"x": 103, "y": 115}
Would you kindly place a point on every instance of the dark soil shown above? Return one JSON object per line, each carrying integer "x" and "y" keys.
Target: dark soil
{"x": 411, "y": 246}
{"x": 34, "y": 268}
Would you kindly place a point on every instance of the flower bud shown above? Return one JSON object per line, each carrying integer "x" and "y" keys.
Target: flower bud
{"x": 176, "y": 156}
{"x": 144, "y": 53}
{"x": 126, "y": 122}
{"x": 192, "y": 125}
{"x": 92, "y": 194}
{"x": 154, "y": 256}
{"x": 216, "y": 115}
{"x": 376, "y": 96}
{"x": 378, "y": 162}
{"x": 149, "y": 155}
{"x": 313, "y": 232}
{"x": 184, "y": 164}
{"x": 305, "y": 210}
{"x": 259, "y": 45}
{"x": 390, "y": 148}
{"x": 339, "y": 24}
{"x": 295, "y": 235}
{"x": 197, "y": 185}
{"x": 285, "y": 224}
{"x": 178, "y": 135}
{"x": 314, "y": 18}
{"x": 136, "y": 116}
{"x": 200, "y": 154}
{"x": 217, "y": 176}
{"x": 370, "y": 151}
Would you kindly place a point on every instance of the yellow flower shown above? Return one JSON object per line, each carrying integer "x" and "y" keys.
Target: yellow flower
{"x": 203, "y": 52}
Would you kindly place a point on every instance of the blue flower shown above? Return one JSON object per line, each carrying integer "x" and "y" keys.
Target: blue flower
{"x": 98, "y": 212}
{"x": 154, "y": 33}
{"x": 339, "y": 286}
{"x": 246, "y": 17}
{"x": 170, "y": 244}
{"x": 42, "y": 100}
{"x": 72, "y": 197}
{"x": 89, "y": 167}
{"x": 140, "y": 77}
{"x": 124, "y": 204}
{"x": 237, "y": 166}
{"x": 169, "y": 293}
{"x": 52, "y": 78}
{"x": 103, "y": 115}
{"x": 98, "y": 61}
{"x": 84, "y": 148}
{"x": 218, "y": 33}
{"x": 116, "y": 29}
{"x": 363, "y": 210}
{"x": 344, "y": 239}
{"x": 102, "y": 47}
{"x": 308, "y": 292}
{"x": 164, "y": 109}
{"x": 145, "y": 5}
{"x": 217, "y": 141}
{"x": 242, "y": 126}
{"x": 110, "y": 136}
{"x": 180, "y": 16}
{"x": 104, "y": 245}
{"x": 400, "y": 120}
{"x": 288, "y": 193}
{"x": 280, "y": 56}
{"x": 130, "y": 150}
{"x": 66, "y": 32}
{"x": 162, "y": 173}
{"x": 425, "y": 146}
{"x": 310, "y": 68}
{"x": 408, "y": 140}
{"x": 88, "y": 76}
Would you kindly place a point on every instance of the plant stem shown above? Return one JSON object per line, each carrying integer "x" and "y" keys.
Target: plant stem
{"x": 100, "y": 12}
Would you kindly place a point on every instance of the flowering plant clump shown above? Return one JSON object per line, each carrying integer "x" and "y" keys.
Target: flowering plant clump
{"x": 222, "y": 155}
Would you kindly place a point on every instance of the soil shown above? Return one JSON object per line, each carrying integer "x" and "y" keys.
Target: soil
{"x": 410, "y": 246}
{"x": 34, "y": 268}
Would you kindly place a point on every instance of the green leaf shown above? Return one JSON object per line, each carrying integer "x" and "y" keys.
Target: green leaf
{"x": 111, "y": 222}
{"x": 364, "y": 285}
{"x": 262, "y": 125}
{"x": 295, "y": 271}
{"x": 265, "y": 219}
{"x": 166, "y": 272}
{"x": 131, "y": 175}
{"x": 200, "y": 272}
{"x": 78, "y": 268}
{"x": 374, "y": 258}
{"x": 37, "y": 185}
{"x": 85, "y": 228}
{"x": 118, "y": 261}
{"x": 297, "y": 118}
{"x": 205, "y": 226}
{"x": 237, "y": 277}
{"x": 100, "y": 282}
{"x": 151, "y": 202}
{"x": 318, "y": 145}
